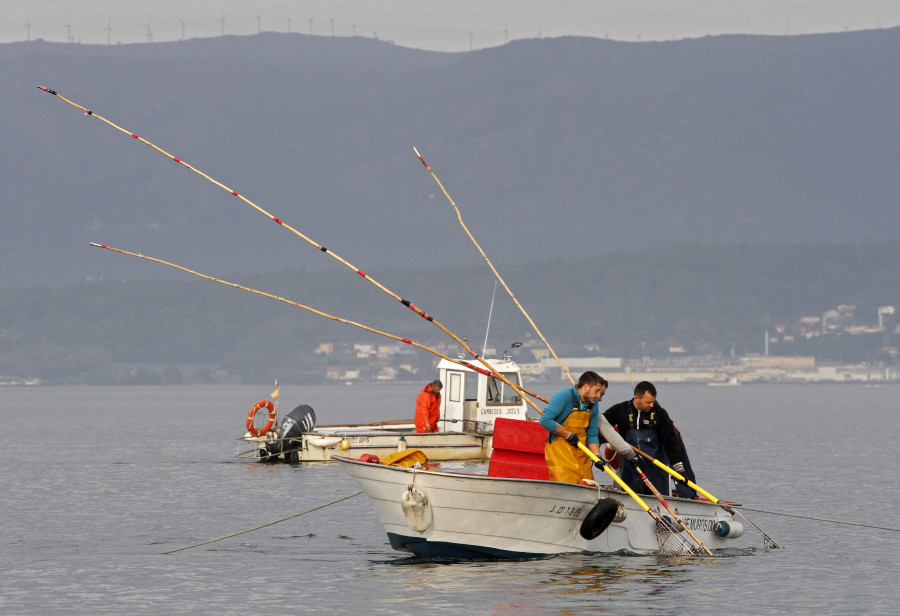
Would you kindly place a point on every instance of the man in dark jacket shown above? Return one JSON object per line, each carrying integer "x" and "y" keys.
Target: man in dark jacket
{"x": 647, "y": 426}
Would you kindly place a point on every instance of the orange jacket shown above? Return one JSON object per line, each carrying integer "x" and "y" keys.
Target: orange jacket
{"x": 428, "y": 405}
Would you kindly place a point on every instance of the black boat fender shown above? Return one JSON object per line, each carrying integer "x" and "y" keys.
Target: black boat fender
{"x": 599, "y": 518}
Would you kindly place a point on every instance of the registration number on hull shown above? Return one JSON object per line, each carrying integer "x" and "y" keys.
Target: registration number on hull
{"x": 567, "y": 511}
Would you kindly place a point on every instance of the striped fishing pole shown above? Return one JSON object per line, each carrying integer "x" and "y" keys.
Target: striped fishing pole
{"x": 297, "y": 305}
{"x": 296, "y": 232}
{"x": 491, "y": 265}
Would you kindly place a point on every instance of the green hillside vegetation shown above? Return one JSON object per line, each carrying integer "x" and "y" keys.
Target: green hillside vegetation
{"x": 709, "y": 299}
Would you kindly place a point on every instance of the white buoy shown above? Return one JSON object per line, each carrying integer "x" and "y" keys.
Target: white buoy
{"x": 416, "y": 509}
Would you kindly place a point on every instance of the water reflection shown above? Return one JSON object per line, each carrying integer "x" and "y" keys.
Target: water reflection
{"x": 564, "y": 582}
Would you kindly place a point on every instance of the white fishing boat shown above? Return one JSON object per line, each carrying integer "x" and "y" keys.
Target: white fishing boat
{"x": 433, "y": 513}
{"x": 439, "y": 514}
{"x": 470, "y": 403}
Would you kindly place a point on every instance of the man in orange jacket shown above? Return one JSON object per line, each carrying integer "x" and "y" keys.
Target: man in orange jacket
{"x": 428, "y": 406}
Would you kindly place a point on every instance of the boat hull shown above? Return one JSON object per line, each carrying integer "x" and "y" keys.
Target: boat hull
{"x": 477, "y": 516}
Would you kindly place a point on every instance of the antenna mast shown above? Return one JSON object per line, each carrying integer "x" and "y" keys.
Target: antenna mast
{"x": 490, "y": 314}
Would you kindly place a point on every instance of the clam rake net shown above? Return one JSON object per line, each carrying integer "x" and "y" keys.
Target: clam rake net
{"x": 670, "y": 540}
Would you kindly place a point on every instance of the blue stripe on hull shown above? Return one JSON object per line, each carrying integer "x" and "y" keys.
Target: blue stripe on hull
{"x": 423, "y": 548}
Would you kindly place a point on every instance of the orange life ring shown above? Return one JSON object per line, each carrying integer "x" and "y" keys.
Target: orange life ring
{"x": 610, "y": 456}
{"x": 260, "y": 431}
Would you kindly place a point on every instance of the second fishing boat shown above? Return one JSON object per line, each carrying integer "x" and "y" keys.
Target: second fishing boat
{"x": 470, "y": 403}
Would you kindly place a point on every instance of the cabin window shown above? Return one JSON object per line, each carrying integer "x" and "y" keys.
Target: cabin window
{"x": 455, "y": 387}
{"x": 499, "y": 392}
{"x": 493, "y": 391}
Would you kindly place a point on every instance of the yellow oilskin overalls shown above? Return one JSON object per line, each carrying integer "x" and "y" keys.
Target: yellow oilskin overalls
{"x": 567, "y": 463}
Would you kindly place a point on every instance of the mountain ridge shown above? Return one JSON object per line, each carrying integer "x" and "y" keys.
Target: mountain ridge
{"x": 553, "y": 148}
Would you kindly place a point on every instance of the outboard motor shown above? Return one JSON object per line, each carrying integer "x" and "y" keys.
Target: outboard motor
{"x": 301, "y": 419}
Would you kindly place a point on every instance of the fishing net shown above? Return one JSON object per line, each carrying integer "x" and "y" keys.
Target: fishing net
{"x": 670, "y": 540}
{"x": 668, "y": 531}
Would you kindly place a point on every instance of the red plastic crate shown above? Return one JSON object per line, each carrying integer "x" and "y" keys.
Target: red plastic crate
{"x": 519, "y": 435}
{"x": 518, "y": 464}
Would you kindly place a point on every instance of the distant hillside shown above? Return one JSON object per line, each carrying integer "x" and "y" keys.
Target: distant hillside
{"x": 561, "y": 148}
{"x": 711, "y": 300}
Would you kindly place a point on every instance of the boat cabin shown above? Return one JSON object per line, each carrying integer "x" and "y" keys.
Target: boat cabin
{"x": 475, "y": 400}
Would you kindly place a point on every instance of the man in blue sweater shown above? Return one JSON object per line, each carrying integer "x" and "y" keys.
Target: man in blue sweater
{"x": 573, "y": 416}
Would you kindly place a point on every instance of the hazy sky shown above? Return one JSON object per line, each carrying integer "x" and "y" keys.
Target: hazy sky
{"x": 452, "y": 25}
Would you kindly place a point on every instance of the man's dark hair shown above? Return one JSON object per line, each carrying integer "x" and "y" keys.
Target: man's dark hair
{"x": 643, "y": 387}
{"x": 591, "y": 378}
{"x": 436, "y": 384}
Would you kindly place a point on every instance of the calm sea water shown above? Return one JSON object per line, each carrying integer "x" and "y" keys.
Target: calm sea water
{"x": 98, "y": 482}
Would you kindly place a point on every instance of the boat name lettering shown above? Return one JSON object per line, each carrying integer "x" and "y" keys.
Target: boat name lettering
{"x": 492, "y": 411}
{"x": 358, "y": 439}
{"x": 566, "y": 510}
{"x": 701, "y": 524}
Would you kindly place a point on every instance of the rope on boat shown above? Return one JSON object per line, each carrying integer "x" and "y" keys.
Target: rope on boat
{"x": 808, "y": 517}
{"x": 264, "y": 525}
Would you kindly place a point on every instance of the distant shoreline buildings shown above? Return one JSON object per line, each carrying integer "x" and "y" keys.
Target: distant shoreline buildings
{"x": 715, "y": 371}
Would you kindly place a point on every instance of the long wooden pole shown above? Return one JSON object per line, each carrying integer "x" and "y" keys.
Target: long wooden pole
{"x": 313, "y": 310}
{"x": 491, "y": 265}
{"x": 280, "y": 222}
